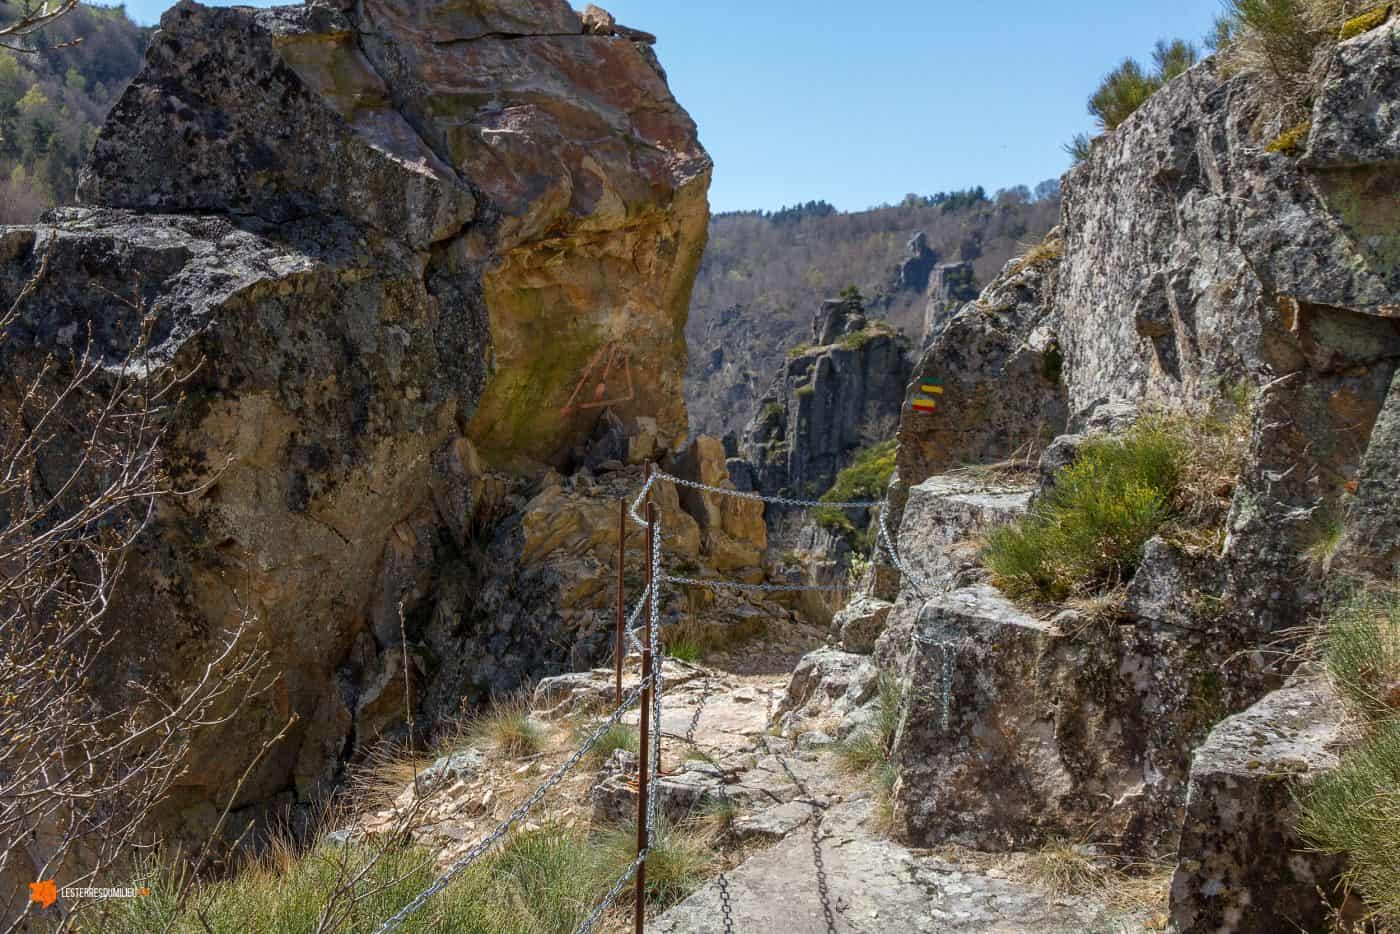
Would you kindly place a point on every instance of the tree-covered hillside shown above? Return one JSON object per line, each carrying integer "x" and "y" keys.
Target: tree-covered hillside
{"x": 764, "y": 276}
{"x": 53, "y": 100}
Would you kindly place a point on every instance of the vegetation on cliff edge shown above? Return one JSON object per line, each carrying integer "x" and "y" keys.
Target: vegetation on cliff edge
{"x": 1086, "y": 535}
{"x": 1355, "y": 810}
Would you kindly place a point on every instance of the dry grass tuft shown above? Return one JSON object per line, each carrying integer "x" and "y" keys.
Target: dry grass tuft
{"x": 1049, "y": 250}
{"x": 505, "y": 728}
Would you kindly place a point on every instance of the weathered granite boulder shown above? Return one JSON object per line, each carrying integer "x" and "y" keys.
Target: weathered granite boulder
{"x": 1016, "y": 728}
{"x": 410, "y": 242}
{"x": 1241, "y": 867}
{"x": 860, "y": 623}
{"x": 828, "y": 687}
{"x": 1354, "y": 120}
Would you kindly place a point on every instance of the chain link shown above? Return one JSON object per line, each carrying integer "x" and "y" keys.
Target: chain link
{"x": 475, "y": 853}
{"x": 758, "y": 497}
{"x": 823, "y": 890}
{"x": 658, "y": 656}
{"x": 695, "y": 718}
{"x": 739, "y": 585}
{"x": 601, "y": 908}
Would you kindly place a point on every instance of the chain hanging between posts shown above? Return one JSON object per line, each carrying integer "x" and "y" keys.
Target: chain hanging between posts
{"x": 695, "y": 718}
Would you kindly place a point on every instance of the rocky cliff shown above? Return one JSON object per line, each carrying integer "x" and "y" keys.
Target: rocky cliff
{"x": 834, "y": 396}
{"x": 410, "y": 253}
{"x": 1196, "y": 271}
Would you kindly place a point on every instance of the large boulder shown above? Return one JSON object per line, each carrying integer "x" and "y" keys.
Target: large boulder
{"x": 389, "y": 116}
{"x": 399, "y": 246}
{"x": 1241, "y": 866}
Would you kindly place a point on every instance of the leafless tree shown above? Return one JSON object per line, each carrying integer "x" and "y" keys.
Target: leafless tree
{"x": 14, "y": 36}
{"x": 81, "y": 480}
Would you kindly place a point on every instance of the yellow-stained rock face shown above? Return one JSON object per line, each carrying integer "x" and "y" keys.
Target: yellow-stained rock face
{"x": 418, "y": 248}
{"x": 596, "y": 182}
{"x": 733, "y": 530}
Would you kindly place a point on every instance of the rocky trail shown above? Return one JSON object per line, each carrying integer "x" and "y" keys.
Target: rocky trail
{"x": 804, "y": 846}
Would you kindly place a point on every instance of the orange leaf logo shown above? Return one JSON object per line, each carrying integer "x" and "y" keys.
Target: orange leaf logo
{"x": 45, "y": 893}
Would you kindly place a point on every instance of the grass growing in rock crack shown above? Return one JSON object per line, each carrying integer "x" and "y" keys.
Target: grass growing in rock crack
{"x": 867, "y": 752}
{"x": 681, "y": 859}
{"x": 684, "y": 648}
{"x": 1087, "y": 534}
{"x": 1356, "y": 808}
{"x": 1361, "y": 650}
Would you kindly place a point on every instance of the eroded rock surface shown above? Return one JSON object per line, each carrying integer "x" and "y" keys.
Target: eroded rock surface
{"x": 1241, "y": 867}
{"x": 411, "y": 242}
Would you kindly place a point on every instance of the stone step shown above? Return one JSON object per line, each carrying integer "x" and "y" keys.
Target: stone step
{"x": 946, "y": 515}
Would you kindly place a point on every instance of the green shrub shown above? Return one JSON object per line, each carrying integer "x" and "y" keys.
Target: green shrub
{"x": 1079, "y": 147}
{"x": 1277, "y": 41}
{"x": 1356, "y": 810}
{"x": 1087, "y": 534}
{"x": 1361, "y": 650}
{"x": 1173, "y": 59}
{"x": 798, "y": 350}
{"x": 864, "y": 480}
{"x": 1122, "y": 92}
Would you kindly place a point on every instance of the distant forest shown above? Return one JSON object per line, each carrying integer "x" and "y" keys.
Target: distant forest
{"x": 765, "y": 273}
{"x": 53, "y": 100}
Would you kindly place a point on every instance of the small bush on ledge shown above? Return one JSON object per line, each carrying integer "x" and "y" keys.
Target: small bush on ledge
{"x": 1087, "y": 534}
{"x": 864, "y": 480}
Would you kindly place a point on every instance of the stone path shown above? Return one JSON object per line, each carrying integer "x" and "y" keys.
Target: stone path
{"x": 876, "y": 885}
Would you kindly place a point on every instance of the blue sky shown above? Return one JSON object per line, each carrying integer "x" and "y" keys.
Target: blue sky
{"x": 861, "y": 103}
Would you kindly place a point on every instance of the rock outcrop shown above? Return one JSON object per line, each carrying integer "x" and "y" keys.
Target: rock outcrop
{"x": 407, "y": 243}
{"x": 827, "y": 402}
{"x": 1194, "y": 272}
{"x": 1241, "y": 867}
{"x": 950, "y": 286}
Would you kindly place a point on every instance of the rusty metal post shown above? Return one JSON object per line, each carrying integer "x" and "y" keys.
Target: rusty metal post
{"x": 644, "y": 744}
{"x": 621, "y": 559}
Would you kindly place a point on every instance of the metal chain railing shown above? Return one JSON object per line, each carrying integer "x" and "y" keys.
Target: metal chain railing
{"x": 657, "y": 683}
{"x": 769, "y": 588}
{"x": 610, "y": 899}
{"x": 484, "y": 845}
{"x": 759, "y": 497}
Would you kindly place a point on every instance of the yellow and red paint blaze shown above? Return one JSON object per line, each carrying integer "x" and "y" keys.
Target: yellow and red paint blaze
{"x": 928, "y": 388}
